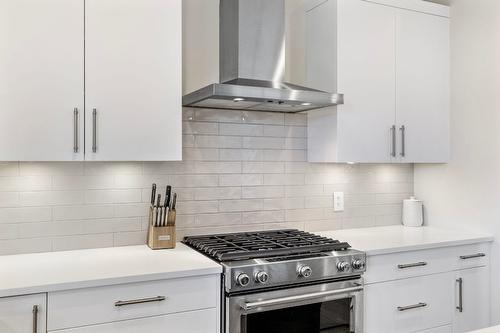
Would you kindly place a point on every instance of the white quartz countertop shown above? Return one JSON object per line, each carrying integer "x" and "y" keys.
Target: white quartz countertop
{"x": 45, "y": 272}
{"x": 495, "y": 329}
{"x": 384, "y": 240}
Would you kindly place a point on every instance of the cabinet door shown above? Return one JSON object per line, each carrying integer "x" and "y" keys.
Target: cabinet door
{"x": 41, "y": 80}
{"x": 366, "y": 71}
{"x": 21, "y": 314}
{"x": 133, "y": 78}
{"x": 422, "y": 87}
{"x": 475, "y": 311}
{"x": 321, "y": 45}
{"x": 183, "y": 322}
{"x": 409, "y": 305}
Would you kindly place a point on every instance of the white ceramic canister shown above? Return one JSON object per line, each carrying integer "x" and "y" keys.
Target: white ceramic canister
{"x": 413, "y": 212}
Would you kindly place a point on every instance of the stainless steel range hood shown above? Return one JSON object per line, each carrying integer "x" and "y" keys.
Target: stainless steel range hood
{"x": 252, "y": 63}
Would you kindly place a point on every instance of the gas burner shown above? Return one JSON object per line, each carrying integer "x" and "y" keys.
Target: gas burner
{"x": 266, "y": 244}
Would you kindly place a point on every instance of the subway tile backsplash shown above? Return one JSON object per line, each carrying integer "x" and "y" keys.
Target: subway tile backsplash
{"x": 241, "y": 171}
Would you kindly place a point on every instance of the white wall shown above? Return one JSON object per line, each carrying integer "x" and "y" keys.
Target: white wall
{"x": 466, "y": 192}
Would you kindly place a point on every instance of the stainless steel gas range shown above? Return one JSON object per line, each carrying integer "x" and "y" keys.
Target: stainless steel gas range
{"x": 287, "y": 281}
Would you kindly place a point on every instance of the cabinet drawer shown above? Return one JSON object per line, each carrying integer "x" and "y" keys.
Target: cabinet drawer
{"x": 408, "y": 264}
{"x": 409, "y": 305}
{"x": 92, "y": 306}
{"x": 403, "y": 265}
{"x": 469, "y": 256}
{"x": 186, "y": 322}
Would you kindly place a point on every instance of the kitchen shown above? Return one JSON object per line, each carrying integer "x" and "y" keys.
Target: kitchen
{"x": 292, "y": 134}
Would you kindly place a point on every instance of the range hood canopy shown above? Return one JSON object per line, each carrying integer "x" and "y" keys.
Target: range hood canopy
{"x": 252, "y": 63}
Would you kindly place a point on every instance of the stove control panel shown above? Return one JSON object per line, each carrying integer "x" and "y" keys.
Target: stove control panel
{"x": 260, "y": 274}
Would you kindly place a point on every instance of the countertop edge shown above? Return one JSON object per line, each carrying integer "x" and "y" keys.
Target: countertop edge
{"x": 104, "y": 282}
{"x": 428, "y": 246}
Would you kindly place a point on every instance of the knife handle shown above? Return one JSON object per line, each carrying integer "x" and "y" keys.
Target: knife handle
{"x": 174, "y": 201}
{"x": 167, "y": 195}
{"x": 158, "y": 209}
{"x": 153, "y": 195}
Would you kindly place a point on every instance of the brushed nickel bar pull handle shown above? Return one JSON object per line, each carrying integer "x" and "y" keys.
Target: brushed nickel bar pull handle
{"x": 94, "y": 130}
{"x": 416, "y": 264}
{"x": 460, "y": 306}
{"x": 298, "y": 298}
{"x": 35, "y": 318}
{"x": 403, "y": 140}
{"x": 411, "y": 307}
{"x": 472, "y": 256}
{"x": 393, "y": 134}
{"x": 75, "y": 130}
{"x": 141, "y": 301}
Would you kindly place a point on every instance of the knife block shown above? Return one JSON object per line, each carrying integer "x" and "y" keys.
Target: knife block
{"x": 160, "y": 237}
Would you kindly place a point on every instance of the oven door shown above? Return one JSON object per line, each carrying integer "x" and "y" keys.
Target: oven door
{"x": 335, "y": 307}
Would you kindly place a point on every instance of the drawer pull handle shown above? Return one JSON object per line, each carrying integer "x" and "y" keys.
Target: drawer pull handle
{"x": 411, "y": 307}
{"x": 140, "y": 301}
{"x": 416, "y": 264}
{"x": 472, "y": 256}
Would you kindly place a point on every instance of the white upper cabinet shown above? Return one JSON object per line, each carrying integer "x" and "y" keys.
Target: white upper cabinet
{"x": 127, "y": 53}
{"x": 133, "y": 80}
{"x": 392, "y": 65}
{"x": 41, "y": 80}
{"x": 422, "y": 87}
{"x": 366, "y": 78}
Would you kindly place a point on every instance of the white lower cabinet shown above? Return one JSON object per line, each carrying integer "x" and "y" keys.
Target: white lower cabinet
{"x": 23, "y": 314}
{"x": 409, "y": 305}
{"x": 185, "y": 322}
{"x": 183, "y": 305}
{"x": 472, "y": 302}
{"x": 428, "y": 291}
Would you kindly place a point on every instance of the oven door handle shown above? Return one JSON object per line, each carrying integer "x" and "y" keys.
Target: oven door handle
{"x": 297, "y": 298}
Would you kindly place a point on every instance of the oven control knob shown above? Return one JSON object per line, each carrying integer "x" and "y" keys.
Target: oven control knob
{"x": 305, "y": 271}
{"x": 343, "y": 266}
{"x": 242, "y": 279}
{"x": 358, "y": 264}
{"x": 261, "y": 277}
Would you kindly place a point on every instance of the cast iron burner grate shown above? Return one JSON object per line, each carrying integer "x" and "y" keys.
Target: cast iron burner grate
{"x": 252, "y": 245}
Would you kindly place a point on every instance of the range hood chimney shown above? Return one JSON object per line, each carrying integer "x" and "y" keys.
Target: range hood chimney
{"x": 252, "y": 63}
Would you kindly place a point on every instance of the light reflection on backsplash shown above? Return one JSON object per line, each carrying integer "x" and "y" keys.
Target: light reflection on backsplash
{"x": 241, "y": 171}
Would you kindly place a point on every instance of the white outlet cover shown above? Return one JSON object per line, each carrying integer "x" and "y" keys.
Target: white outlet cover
{"x": 338, "y": 201}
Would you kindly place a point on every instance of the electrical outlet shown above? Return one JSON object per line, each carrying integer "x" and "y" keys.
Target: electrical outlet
{"x": 338, "y": 201}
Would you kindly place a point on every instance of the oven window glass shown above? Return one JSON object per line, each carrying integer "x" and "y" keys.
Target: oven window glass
{"x": 327, "y": 317}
